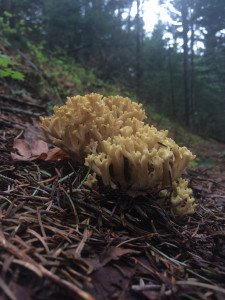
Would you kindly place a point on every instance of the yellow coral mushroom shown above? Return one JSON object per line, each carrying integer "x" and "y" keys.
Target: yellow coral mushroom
{"x": 90, "y": 117}
{"x": 140, "y": 161}
{"x": 110, "y": 135}
{"x": 181, "y": 201}
{"x": 91, "y": 180}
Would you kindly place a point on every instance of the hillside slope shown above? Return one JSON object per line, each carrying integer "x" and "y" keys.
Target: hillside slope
{"x": 61, "y": 240}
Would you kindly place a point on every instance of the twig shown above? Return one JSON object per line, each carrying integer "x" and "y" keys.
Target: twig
{"x": 9, "y": 124}
{"x": 21, "y": 111}
{"x": 146, "y": 287}
{"x": 7, "y": 178}
{"x": 6, "y": 97}
{"x": 7, "y": 290}
{"x": 208, "y": 179}
{"x": 13, "y": 122}
{"x": 40, "y": 269}
{"x": 27, "y": 60}
{"x": 203, "y": 285}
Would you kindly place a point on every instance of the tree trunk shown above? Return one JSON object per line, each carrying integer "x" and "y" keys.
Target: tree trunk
{"x": 5, "y": 5}
{"x": 192, "y": 69}
{"x": 171, "y": 84}
{"x": 187, "y": 97}
{"x": 129, "y": 20}
{"x": 138, "y": 49}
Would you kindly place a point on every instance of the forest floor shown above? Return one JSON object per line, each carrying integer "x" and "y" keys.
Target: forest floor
{"x": 59, "y": 240}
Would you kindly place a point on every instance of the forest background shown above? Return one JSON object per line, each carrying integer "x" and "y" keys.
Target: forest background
{"x": 166, "y": 68}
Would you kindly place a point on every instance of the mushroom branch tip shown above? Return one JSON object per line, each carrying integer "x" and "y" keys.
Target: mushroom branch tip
{"x": 108, "y": 134}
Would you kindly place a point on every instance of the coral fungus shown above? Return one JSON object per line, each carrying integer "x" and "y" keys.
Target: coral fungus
{"x": 109, "y": 134}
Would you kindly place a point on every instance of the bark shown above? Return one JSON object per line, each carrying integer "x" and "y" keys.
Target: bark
{"x": 171, "y": 85}
{"x": 138, "y": 49}
{"x": 129, "y": 20}
{"x": 5, "y": 5}
{"x": 192, "y": 69}
{"x": 187, "y": 97}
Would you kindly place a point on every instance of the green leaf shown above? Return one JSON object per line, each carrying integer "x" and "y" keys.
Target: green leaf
{"x": 17, "y": 75}
{"x": 7, "y": 14}
{"x": 193, "y": 164}
{"x": 6, "y": 71}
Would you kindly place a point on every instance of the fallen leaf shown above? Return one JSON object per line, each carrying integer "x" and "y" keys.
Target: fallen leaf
{"x": 38, "y": 150}
{"x": 31, "y": 132}
{"x": 29, "y": 99}
{"x": 21, "y": 292}
{"x": 38, "y": 147}
{"x": 112, "y": 253}
{"x": 23, "y": 149}
{"x": 151, "y": 295}
{"x": 56, "y": 154}
{"x": 110, "y": 283}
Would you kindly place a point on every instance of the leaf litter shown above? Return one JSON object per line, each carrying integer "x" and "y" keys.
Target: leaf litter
{"x": 61, "y": 240}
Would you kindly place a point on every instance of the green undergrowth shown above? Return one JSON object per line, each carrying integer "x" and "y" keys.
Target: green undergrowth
{"x": 181, "y": 135}
{"x": 176, "y": 131}
{"x": 54, "y": 75}
{"x": 68, "y": 78}
{"x": 6, "y": 68}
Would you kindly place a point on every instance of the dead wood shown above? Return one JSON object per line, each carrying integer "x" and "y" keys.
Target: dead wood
{"x": 22, "y": 102}
{"x": 21, "y": 111}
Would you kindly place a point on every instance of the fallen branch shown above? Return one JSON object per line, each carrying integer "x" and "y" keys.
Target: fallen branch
{"x": 27, "y": 60}
{"x": 10, "y": 124}
{"x": 21, "y": 111}
{"x": 6, "y": 97}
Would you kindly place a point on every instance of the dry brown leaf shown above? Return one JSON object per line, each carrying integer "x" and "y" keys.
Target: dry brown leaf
{"x": 112, "y": 253}
{"x": 31, "y": 131}
{"x": 29, "y": 99}
{"x": 38, "y": 147}
{"x": 56, "y": 154}
{"x": 110, "y": 283}
{"x": 21, "y": 292}
{"x": 151, "y": 295}
{"x": 23, "y": 148}
{"x": 38, "y": 150}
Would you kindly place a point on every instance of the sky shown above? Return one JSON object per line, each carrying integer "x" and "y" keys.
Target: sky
{"x": 152, "y": 12}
